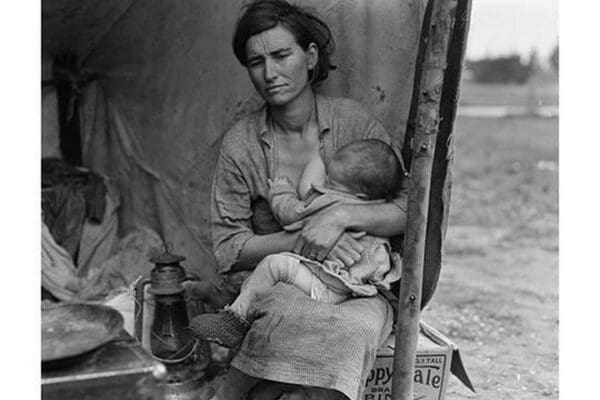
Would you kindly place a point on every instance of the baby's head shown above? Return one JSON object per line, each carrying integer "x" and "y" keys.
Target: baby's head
{"x": 366, "y": 167}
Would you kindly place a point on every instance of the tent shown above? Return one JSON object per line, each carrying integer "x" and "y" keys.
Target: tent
{"x": 163, "y": 86}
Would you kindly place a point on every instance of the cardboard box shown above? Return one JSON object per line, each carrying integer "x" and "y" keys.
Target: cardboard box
{"x": 432, "y": 367}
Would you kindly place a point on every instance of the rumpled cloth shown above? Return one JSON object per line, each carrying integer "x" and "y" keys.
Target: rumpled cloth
{"x": 99, "y": 241}
{"x": 70, "y": 197}
{"x": 130, "y": 260}
{"x": 59, "y": 275}
{"x": 323, "y": 345}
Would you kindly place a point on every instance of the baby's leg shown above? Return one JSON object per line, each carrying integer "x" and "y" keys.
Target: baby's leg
{"x": 230, "y": 326}
{"x": 272, "y": 269}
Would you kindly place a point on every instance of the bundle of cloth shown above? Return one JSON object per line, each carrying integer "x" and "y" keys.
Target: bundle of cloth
{"x": 83, "y": 257}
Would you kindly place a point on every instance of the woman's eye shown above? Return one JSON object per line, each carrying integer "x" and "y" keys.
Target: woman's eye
{"x": 255, "y": 63}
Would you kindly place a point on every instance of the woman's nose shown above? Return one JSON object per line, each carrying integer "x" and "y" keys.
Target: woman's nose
{"x": 270, "y": 71}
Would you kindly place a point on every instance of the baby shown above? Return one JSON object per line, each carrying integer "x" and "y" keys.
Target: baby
{"x": 364, "y": 171}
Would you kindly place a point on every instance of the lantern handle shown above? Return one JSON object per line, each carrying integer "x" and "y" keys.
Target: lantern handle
{"x": 139, "y": 308}
{"x": 182, "y": 359}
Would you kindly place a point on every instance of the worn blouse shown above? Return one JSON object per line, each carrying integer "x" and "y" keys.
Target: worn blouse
{"x": 239, "y": 207}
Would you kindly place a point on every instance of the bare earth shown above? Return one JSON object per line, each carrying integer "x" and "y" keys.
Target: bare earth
{"x": 497, "y": 298}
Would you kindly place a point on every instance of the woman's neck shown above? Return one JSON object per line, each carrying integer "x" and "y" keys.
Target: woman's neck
{"x": 296, "y": 115}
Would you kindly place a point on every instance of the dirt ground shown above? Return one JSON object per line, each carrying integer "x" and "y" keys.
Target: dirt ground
{"x": 497, "y": 298}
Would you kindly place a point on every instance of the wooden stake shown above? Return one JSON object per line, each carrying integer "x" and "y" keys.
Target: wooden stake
{"x": 430, "y": 93}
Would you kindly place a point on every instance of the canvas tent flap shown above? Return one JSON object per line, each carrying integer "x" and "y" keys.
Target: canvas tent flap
{"x": 168, "y": 86}
{"x": 77, "y": 26}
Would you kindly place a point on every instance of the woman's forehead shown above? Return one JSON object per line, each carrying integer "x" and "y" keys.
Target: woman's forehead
{"x": 269, "y": 41}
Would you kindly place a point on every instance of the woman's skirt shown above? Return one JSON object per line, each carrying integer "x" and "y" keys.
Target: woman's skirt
{"x": 297, "y": 340}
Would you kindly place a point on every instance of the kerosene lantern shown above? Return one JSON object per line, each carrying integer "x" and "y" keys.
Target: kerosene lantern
{"x": 170, "y": 339}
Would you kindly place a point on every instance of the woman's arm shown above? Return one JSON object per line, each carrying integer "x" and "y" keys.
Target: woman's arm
{"x": 322, "y": 230}
{"x": 385, "y": 219}
{"x": 259, "y": 246}
{"x": 235, "y": 244}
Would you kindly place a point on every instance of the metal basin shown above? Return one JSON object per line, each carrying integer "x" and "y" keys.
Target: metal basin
{"x": 72, "y": 329}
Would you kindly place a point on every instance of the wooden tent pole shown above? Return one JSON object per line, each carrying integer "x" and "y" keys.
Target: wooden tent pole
{"x": 430, "y": 91}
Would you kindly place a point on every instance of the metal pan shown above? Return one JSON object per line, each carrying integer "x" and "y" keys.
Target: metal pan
{"x": 72, "y": 329}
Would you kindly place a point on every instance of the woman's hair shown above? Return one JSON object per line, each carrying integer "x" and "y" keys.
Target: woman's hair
{"x": 262, "y": 15}
{"x": 370, "y": 166}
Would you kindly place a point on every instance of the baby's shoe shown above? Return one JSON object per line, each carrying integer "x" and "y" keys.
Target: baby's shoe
{"x": 226, "y": 327}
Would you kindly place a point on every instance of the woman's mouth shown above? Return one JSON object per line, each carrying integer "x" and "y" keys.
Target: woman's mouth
{"x": 274, "y": 89}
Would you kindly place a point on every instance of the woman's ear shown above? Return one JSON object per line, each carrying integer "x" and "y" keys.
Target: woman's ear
{"x": 313, "y": 55}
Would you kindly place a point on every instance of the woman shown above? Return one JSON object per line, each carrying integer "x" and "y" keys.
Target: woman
{"x": 286, "y": 52}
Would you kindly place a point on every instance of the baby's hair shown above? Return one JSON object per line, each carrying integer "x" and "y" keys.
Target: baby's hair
{"x": 371, "y": 167}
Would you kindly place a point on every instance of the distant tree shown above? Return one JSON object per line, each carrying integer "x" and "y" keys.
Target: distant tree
{"x": 534, "y": 61}
{"x": 508, "y": 69}
{"x": 554, "y": 59}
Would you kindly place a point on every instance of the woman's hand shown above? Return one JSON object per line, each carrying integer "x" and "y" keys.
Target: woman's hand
{"x": 319, "y": 233}
{"x": 347, "y": 250}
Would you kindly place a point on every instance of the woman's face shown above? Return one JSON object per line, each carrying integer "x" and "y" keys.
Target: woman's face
{"x": 278, "y": 66}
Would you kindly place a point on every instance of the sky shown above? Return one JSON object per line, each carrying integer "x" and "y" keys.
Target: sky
{"x": 500, "y": 27}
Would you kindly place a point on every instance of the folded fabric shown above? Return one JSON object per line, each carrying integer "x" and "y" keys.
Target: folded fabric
{"x": 59, "y": 275}
{"x": 99, "y": 241}
{"x": 71, "y": 196}
{"x": 130, "y": 260}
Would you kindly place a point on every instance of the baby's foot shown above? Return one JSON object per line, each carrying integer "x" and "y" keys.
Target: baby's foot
{"x": 226, "y": 328}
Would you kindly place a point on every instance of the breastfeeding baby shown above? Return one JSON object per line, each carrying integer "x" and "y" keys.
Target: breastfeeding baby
{"x": 361, "y": 171}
